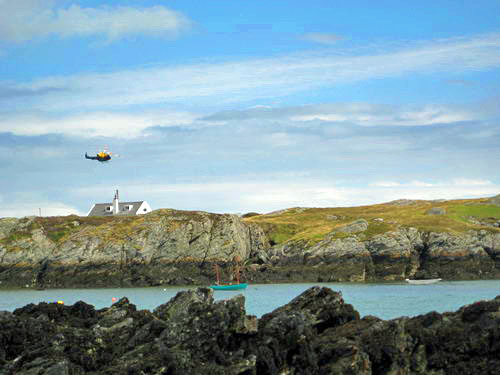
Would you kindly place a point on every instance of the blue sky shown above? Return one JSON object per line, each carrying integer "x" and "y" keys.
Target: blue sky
{"x": 238, "y": 106}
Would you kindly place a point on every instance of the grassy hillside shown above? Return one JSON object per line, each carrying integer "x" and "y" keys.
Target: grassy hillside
{"x": 305, "y": 224}
{"x": 313, "y": 224}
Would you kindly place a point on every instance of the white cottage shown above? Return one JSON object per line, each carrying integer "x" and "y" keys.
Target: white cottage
{"x": 119, "y": 208}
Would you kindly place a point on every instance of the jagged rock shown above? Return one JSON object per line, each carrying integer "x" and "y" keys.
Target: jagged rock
{"x": 345, "y": 260}
{"x": 169, "y": 247}
{"x": 316, "y": 333}
{"x": 165, "y": 246}
{"x": 402, "y": 202}
{"x": 359, "y": 225}
{"x": 462, "y": 257}
{"x": 178, "y": 305}
{"x": 395, "y": 254}
{"x": 322, "y": 306}
{"x": 200, "y": 331}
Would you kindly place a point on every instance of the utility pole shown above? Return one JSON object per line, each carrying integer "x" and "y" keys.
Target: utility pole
{"x": 39, "y": 212}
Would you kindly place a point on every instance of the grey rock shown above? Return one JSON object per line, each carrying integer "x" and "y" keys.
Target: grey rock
{"x": 403, "y": 202}
{"x": 436, "y": 211}
{"x": 494, "y": 200}
{"x": 359, "y": 225}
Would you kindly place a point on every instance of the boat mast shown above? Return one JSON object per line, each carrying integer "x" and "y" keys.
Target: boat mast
{"x": 217, "y": 273}
{"x": 236, "y": 269}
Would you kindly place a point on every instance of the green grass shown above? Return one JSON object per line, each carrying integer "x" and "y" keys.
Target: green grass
{"x": 15, "y": 237}
{"x": 313, "y": 224}
{"x": 296, "y": 224}
{"x": 484, "y": 211}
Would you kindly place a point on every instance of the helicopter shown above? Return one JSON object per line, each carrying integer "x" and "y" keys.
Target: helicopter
{"x": 102, "y": 156}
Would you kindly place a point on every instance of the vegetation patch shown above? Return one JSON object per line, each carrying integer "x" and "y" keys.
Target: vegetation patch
{"x": 376, "y": 228}
{"x": 479, "y": 211}
{"x": 14, "y": 237}
{"x": 314, "y": 224}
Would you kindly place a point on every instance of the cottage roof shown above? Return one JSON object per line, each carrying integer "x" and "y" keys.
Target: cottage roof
{"x": 125, "y": 209}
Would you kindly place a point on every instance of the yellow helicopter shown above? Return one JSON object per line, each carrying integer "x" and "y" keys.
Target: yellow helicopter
{"x": 102, "y": 156}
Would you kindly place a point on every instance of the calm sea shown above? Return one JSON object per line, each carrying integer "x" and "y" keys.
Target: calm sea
{"x": 386, "y": 300}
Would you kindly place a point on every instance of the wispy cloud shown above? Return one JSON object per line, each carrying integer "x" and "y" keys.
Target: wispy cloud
{"x": 245, "y": 80}
{"x": 456, "y": 183}
{"x": 21, "y": 21}
{"x": 15, "y": 92}
{"x": 322, "y": 38}
{"x": 93, "y": 124}
{"x": 366, "y": 114}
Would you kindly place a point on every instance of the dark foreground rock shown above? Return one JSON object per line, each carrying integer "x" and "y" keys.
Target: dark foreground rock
{"x": 316, "y": 333}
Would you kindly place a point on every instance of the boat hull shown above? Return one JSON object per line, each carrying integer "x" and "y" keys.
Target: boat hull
{"x": 422, "y": 282}
{"x": 229, "y": 286}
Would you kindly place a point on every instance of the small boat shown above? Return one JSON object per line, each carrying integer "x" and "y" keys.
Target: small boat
{"x": 229, "y": 286}
{"x": 422, "y": 281}
{"x": 236, "y": 286}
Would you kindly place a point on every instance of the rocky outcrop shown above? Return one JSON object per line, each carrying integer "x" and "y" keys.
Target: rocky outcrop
{"x": 180, "y": 248}
{"x": 494, "y": 200}
{"x": 163, "y": 247}
{"x": 436, "y": 211}
{"x": 395, "y": 255}
{"x": 316, "y": 333}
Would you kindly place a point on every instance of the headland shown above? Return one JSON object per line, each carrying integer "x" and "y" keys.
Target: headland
{"x": 447, "y": 239}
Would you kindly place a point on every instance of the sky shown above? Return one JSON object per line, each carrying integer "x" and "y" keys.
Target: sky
{"x": 235, "y": 106}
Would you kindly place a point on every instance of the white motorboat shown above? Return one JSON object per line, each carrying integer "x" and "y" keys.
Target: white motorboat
{"x": 422, "y": 281}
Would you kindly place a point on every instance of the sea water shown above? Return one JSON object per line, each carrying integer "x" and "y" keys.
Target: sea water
{"x": 385, "y": 300}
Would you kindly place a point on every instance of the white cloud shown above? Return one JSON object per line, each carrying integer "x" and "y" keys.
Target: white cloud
{"x": 470, "y": 182}
{"x": 130, "y": 125}
{"x": 456, "y": 182}
{"x": 94, "y": 124}
{"x": 21, "y": 21}
{"x": 239, "y": 81}
{"x": 46, "y": 208}
{"x": 368, "y": 114}
{"x": 365, "y": 114}
{"x": 385, "y": 184}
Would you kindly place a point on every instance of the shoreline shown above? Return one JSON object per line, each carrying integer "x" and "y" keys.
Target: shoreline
{"x": 4, "y": 287}
{"x": 316, "y": 332}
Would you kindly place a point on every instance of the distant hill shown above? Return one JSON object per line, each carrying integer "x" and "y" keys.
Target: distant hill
{"x": 454, "y": 240}
{"x": 313, "y": 224}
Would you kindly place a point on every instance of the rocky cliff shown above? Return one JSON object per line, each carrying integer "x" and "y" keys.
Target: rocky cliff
{"x": 163, "y": 247}
{"x": 316, "y": 333}
{"x": 402, "y": 239}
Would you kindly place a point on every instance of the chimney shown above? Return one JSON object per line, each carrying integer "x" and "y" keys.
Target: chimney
{"x": 116, "y": 207}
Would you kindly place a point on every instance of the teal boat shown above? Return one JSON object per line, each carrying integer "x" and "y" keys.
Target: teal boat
{"x": 236, "y": 286}
{"x": 229, "y": 286}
